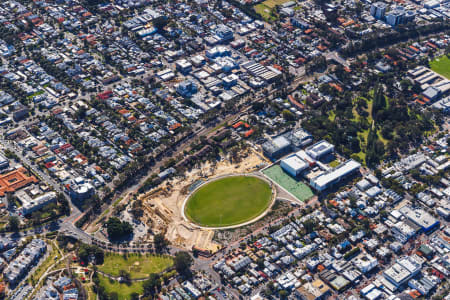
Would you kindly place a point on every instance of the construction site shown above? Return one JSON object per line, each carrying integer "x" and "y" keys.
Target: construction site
{"x": 163, "y": 205}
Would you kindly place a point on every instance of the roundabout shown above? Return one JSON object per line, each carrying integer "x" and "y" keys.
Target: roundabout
{"x": 228, "y": 202}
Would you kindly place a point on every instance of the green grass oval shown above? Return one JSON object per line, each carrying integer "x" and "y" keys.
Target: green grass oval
{"x": 229, "y": 201}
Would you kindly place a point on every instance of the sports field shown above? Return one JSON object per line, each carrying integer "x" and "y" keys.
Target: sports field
{"x": 441, "y": 65}
{"x": 229, "y": 201}
{"x": 273, "y": 3}
{"x": 139, "y": 266}
{"x": 300, "y": 190}
{"x": 264, "y": 9}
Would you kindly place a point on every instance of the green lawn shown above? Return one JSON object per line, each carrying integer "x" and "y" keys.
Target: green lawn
{"x": 123, "y": 290}
{"x": 332, "y": 115}
{"x": 40, "y": 92}
{"x": 334, "y": 163}
{"x": 441, "y": 65}
{"x": 139, "y": 266}
{"x": 265, "y": 12}
{"x": 273, "y": 3}
{"x": 300, "y": 190}
{"x": 229, "y": 201}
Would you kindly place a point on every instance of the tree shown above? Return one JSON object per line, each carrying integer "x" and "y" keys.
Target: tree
{"x": 260, "y": 263}
{"x": 257, "y": 106}
{"x": 309, "y": 225}
{"x": 379, "y": 101}
{"x": 283, "y": 294}
{"x": 14, "y": 223}
{"x": 160, "y": 242}
{"x": 125, "y": 276}
{"x": 152, "y": 284}
{"x": 113, "y": 296}
{"x": 270, "y": 288}
{"x": 160, "y": 22}
{"x": 64, "y": 203}
{"x": 137, "y": 210}
{"x": 85, "y": 251}
{"x": 375, "y": 149}
{"x": 93, "y": 2}
{"x": 117, "y": 229}
{"x": 134, "y": 296}
{"x": 183, "y": 262}
{"x": 288, "y": 115}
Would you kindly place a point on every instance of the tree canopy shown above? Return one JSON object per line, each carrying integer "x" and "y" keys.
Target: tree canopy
{"x": 183, "y": 262}
{"x": 118, "y": 229}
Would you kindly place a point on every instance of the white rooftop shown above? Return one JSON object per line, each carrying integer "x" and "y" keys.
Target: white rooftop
{"x": 295, "y": 163}
{"x": 344, "y": 169}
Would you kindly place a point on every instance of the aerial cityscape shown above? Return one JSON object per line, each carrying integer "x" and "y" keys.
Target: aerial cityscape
{"x": 224, "y": 149}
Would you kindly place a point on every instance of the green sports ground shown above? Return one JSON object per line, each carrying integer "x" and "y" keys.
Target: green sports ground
{"x": 441, "y": 65}
{"x": 229, "y": 201}
{"x": 298, "y": 189}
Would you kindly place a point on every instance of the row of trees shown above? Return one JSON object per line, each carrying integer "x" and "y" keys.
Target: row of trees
{"x": 376, "y": 40}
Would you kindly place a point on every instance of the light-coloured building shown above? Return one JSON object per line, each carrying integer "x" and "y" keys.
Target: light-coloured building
{"x": 320, "y": 149}
{"x": 30, "y": 205}
{"x": 330, "y": 178}
{"x": 293, "y": 165}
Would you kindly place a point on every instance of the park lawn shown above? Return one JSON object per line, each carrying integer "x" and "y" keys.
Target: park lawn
{"x": 441, "y": 65}
{"x": 273, "y": 3}
{"x": 264, "y": 9}
{"x": 361, "y": 156}
{"x": 381, "y": 138}
{"x": 123, "y": 290}
{"x": 356, "y": 116}
{"x": 91, "y": 294}
{"x": 265, "y": 12}
{"x": 229, "y": 201}
{"x": 139, "y": 266}
{"x": 362, "y": 135}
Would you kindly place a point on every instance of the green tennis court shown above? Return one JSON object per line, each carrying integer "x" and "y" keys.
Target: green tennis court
{"x": 300, "y": 190}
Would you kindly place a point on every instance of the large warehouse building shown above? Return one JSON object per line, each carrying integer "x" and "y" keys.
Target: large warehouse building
{"x": 328, "y": 179}
{"x": 277, "y": 147}
{"x": 293, "y": 165}
{"x": 420, "y": 217}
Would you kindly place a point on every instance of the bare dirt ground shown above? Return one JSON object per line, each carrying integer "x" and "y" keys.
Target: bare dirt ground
{"x": 163, "y": 205}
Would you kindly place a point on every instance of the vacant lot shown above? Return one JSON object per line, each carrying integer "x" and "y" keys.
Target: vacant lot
{"x": 441, "y": 65}
{"x": 229, "y": 201}
{"x": 123, "y": 290}
{"x": 139, "y": 266}
{"x": 300, "y": 190}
